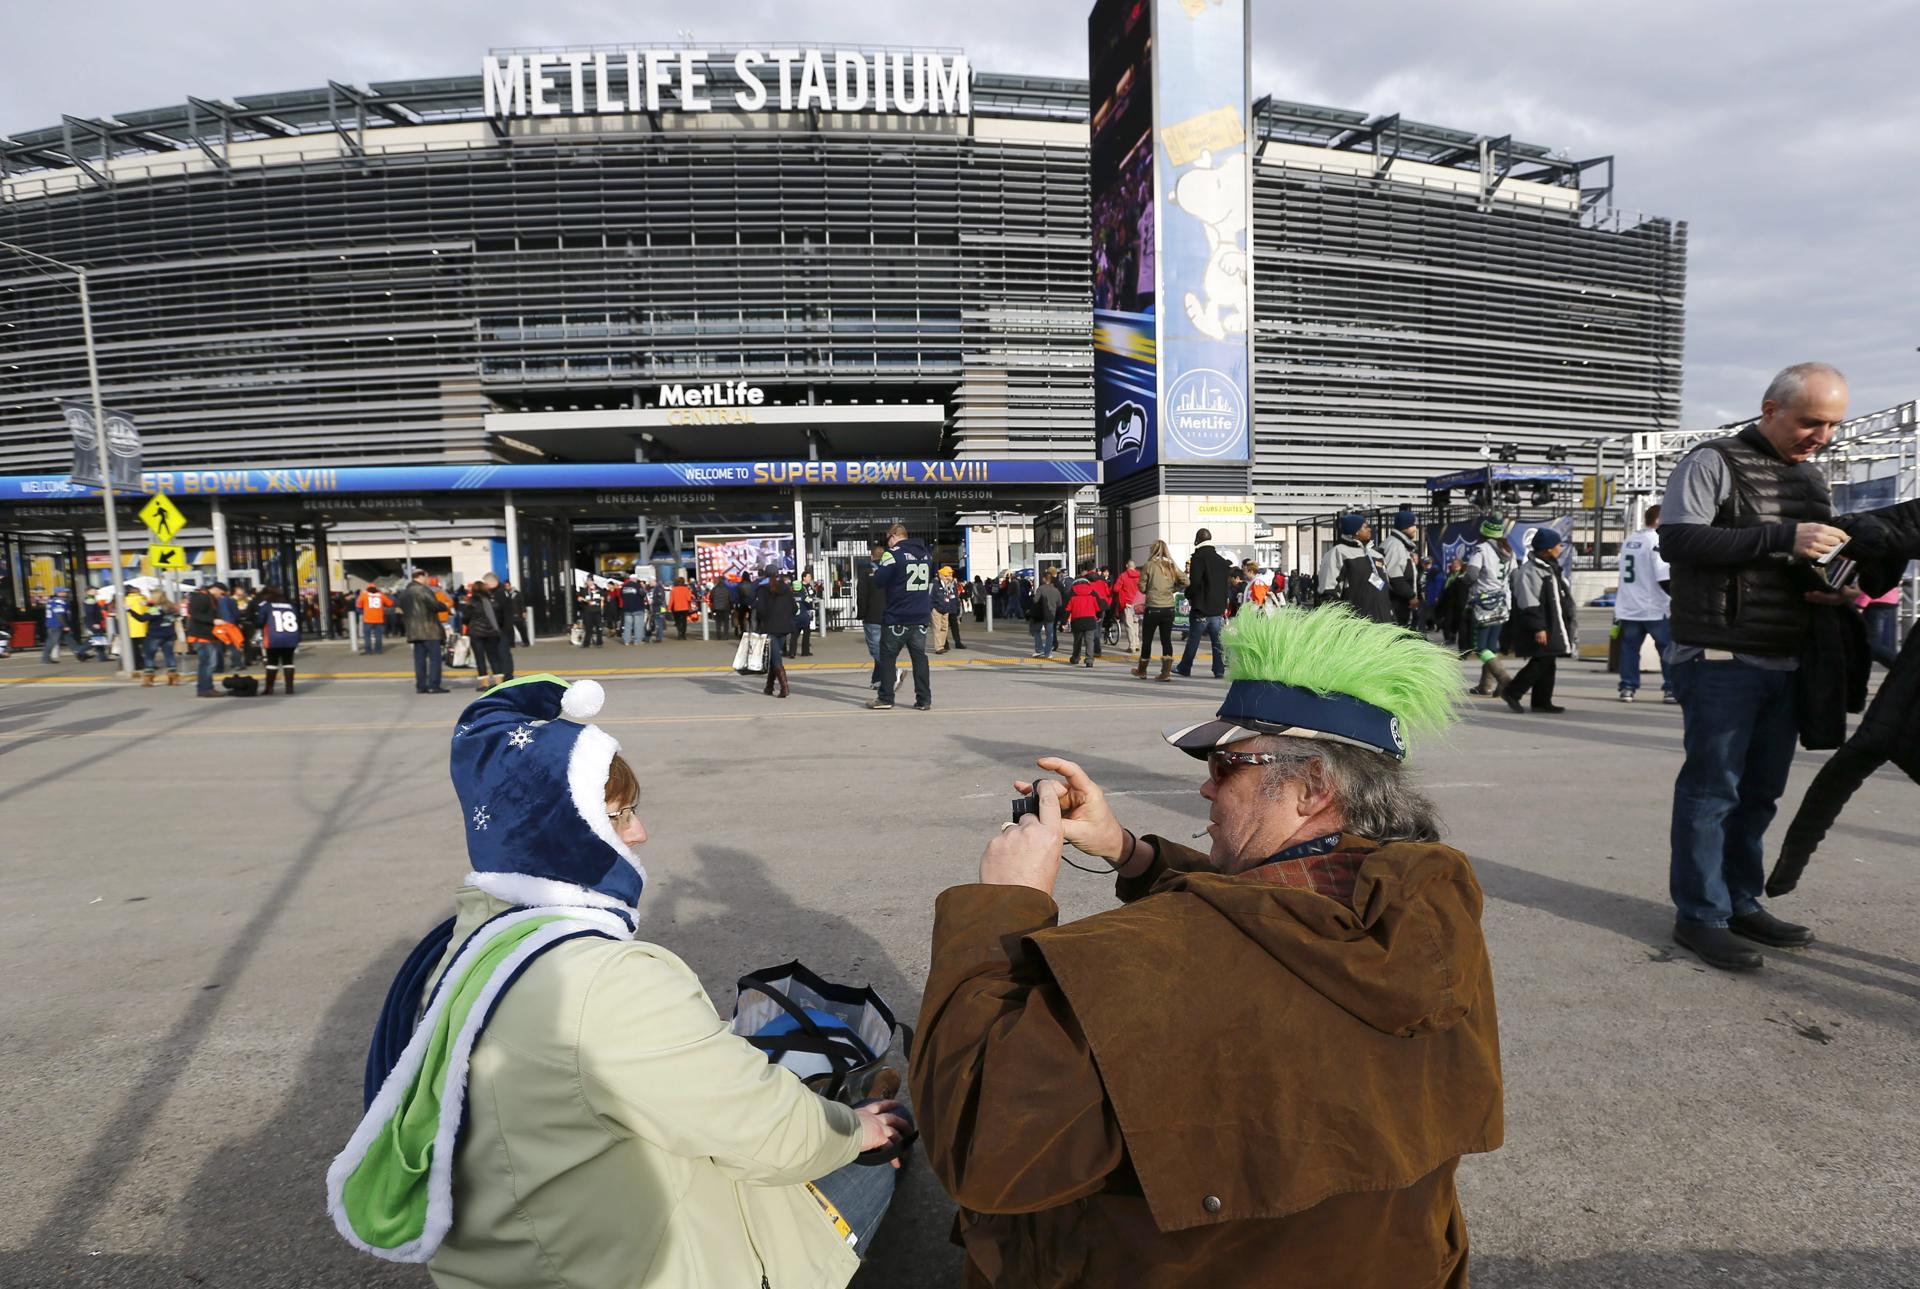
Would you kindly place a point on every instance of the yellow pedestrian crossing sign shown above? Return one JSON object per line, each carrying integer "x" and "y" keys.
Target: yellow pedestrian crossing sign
{"x": 167, "y": 557}
{"x": 162, "y": 518}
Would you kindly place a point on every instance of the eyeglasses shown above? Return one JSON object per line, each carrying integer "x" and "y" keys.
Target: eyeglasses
{"x": 1220, "y": 763}
{"x": 621, "y": 818}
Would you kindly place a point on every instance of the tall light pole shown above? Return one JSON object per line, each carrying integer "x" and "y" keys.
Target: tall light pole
{"x": 116, "y": 574}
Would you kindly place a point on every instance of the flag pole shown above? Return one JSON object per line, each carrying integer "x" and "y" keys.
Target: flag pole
{"x": 118, "y": 572}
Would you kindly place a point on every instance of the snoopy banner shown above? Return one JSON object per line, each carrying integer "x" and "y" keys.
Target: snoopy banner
{"x": 1201, "y": 172}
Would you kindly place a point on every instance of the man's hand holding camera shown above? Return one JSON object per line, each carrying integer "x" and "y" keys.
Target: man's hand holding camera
{"x": 1027, "y": 853}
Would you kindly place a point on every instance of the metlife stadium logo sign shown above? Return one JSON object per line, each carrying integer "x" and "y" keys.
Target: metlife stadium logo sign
{"x": 585, "y": 82}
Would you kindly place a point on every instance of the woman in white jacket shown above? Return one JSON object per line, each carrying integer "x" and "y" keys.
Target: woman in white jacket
{"x": 569, "y": 1109}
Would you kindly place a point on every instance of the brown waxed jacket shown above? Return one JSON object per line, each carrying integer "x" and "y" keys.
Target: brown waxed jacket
{"x": 1224, "y": 1082}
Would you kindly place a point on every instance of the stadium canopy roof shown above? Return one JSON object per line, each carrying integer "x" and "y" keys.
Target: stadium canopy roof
{"x": 352, "y": 111}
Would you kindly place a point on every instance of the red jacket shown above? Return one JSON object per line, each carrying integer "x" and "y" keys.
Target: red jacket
{"x": 1126, "y": 588}
{"x": 1083, "y": 602}
{"x": 1101, "y": 591}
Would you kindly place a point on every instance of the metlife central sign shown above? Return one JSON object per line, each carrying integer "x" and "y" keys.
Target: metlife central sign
{"x": 584, "y": 82}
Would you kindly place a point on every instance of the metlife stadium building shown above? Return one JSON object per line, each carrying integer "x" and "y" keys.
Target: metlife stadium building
{"x": 605, "y": 299}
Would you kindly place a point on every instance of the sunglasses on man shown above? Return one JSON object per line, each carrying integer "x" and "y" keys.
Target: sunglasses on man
{"x": 1221, "y": 763}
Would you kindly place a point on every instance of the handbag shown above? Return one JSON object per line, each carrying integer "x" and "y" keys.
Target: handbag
{"x": 832, "y": 1037}
{"x": 755, "y": 662}
{"x": 577, "y": 634}
{"x": 462, "y": 651}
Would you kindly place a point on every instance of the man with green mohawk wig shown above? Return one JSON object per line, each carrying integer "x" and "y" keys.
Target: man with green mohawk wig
{"x": 1265, "y": 1065}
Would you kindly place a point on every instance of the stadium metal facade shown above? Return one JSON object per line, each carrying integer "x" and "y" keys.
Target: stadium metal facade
{"x": 383, "y": 275}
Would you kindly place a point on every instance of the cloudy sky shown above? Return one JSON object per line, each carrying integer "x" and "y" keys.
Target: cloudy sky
{"x": 1786, "y": 134}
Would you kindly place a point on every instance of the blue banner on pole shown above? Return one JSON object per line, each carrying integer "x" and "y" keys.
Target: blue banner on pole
{"x": 1201, "y": 172}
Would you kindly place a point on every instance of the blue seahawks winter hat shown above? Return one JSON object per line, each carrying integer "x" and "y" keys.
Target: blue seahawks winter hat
{"x": 1405, "y": 518}
{"x": 532, "y": 779}
{"x": 1351, "y": 524}
{"x": 1545, "y": 539}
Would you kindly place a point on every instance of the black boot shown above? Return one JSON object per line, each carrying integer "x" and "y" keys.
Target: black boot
{"x": 783, "y": 679}
{"x": 1716, "y": 946}
{"x": 289, "y": 680}
{"x": 771, "y": 673}
{"x": 273, "y": 674}
{"x": 1767, "y": 929}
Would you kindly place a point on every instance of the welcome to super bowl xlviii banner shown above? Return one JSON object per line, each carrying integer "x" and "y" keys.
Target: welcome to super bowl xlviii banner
{"x": 1172, "y": 192}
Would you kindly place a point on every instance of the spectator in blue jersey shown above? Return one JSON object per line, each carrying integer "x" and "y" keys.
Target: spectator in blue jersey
{"x": 279, "y": 634}
{"x": 632, "y": 598}
{"x": 60, "y": 629}
{"x": 905, "y": 573}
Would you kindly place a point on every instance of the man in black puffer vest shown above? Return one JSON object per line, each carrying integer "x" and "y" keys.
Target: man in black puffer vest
{"x": 1743, "y": 520}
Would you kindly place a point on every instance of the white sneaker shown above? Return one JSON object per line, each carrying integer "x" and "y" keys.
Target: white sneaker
{"x": 1626, "y": 695}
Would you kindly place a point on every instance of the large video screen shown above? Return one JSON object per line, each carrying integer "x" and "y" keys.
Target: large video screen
{"x": 1120, "y": 42}
{"x": 738, "y": 556}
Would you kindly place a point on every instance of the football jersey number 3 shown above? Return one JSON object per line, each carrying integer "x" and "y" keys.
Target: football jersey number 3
{"x": 919, "y": 577}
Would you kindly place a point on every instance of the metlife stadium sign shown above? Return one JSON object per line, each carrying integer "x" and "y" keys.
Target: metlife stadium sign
{"x": 598, "y": 81}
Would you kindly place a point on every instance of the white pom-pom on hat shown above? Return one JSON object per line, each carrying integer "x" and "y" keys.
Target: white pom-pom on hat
{"x": 583, "y": 700}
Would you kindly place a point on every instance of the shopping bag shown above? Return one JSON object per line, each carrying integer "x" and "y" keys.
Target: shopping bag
{"x": 740, "y": 656}
{"x": 578, "y": 634}
{"x": 755, "y": 644}
{"x": 832, "y": 1037}
{"x": 462, "y": 651}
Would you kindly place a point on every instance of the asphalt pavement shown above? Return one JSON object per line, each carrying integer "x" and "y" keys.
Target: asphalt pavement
{"x": 202, "y": 903}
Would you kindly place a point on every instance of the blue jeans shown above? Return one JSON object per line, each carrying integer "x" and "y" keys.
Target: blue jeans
{"x": 632, "y": 626}
{"x": 159, "y": 645}
{"x": 774, "y": 650}
{"x": 862, "y": 1194}
{"x": 208, "y": 654}
{"x": 1883, "y": 632}
{"x": 873, "y": 630}
{"x": 1196, "y": 625}
{"x": 1046, "y": 636}
{"x": 426, "y": 665}
{"x": 656, "y": 628}
{"x": 64, "y": 636}
{"x": 914, "y": 640}
{"x": 1486, "y": 637}
{"x": 376, "y": 636}
{"x": 1631, "y": 634}
{"x": 1740, "y": 736}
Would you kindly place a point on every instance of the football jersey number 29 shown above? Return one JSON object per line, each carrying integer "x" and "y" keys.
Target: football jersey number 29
{"x": 919, "y": 577}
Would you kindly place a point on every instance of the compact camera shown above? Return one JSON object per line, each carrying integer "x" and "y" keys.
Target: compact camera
{"x": 1029, "y": 804}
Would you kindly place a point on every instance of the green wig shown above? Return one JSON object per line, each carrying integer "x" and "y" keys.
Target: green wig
{"x": 1330, "y": 650}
